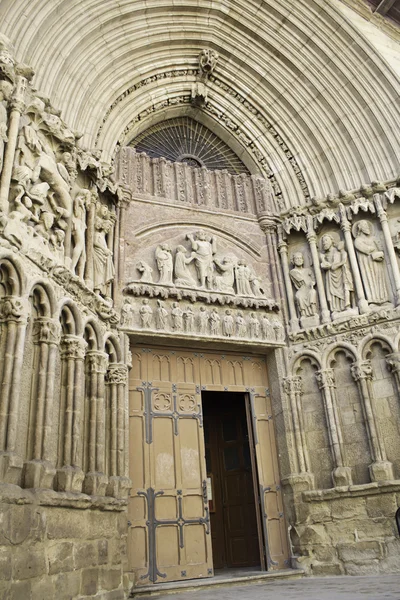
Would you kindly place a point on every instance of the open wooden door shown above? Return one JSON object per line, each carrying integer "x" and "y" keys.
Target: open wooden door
{"x": 169, "y": 537}
{"x": 270, "y": 495}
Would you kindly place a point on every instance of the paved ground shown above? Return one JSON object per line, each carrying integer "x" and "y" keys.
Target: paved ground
{"x": 385, "y": 587}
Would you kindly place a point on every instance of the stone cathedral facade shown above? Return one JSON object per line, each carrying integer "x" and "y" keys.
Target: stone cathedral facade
{"x": 199, "y": 292}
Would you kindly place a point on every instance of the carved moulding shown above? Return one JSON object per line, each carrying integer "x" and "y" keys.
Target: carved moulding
{"x": 155, "y": 290}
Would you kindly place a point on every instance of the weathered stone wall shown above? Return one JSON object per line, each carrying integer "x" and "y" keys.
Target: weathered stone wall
{"x": 56, "y": 546}
{"x": 347, "y": 531}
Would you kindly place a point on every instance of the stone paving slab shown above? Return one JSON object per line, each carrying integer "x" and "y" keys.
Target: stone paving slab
{"x": 382, "y": 587}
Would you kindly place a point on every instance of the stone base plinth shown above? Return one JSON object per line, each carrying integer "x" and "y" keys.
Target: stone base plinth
{"x": 39, "y": 474}
{"x": 69, "y": 479}
{"x": 10, "y": 467}
{"x": 95, "y": 484}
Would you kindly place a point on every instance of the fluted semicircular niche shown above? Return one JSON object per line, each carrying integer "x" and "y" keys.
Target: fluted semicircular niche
{"x": 185, "y": 140}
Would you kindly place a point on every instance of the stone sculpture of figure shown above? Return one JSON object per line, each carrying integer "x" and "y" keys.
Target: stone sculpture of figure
{"x": 228, "y": 324}
{"x": 146, "y": 271}
{"x": 256, "y": 286}
{"x": 214, "y": 322}
{"x": 203, "y": 250}
{"x": 338, "y": 278}
{"x": 188, "y": 319}
{"x": 176, "y": 315}
{"x": 371, "y": 260}
{"x": 127, "y": 314}
{"x": 78, "y": 259}
{"x": 161, "y": 315}
{"x": 225, "y": 281}
{"x": 146, "y": 314}
{"x": 242, "y": 276}
{"x": 5, "y": 94}
{"x": 203, "y": 320}
{"x": 267, "y": 328}
{"x": 103, "y": 266}
{"x": 183, "y": 277}
{"x": 164, "y": 264}
{"x": 57, "y": 238}
{"x": 240, "y": 325}
{"x": 304, "y": 282}
{"x": 254, "y": 326}
{"x": 279, "y": 330}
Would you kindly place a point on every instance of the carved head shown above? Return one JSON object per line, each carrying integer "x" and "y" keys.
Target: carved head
{"x": 298, "y": 259}
{"x": 228, "y": 312}
{"x": 201, "y": 235}
{"x": 363, "y": 227}
{"x": 145, "y": 301}
{"x": 327, "y": 242}
{"x": 180, "y": 249}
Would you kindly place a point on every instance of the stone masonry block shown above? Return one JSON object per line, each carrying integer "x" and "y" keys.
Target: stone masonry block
{"x": 28, "y": 563}
{"x": 360, "y": 552}
{"x": 102, "y": 549}
{"x": 348, "y": 508}
{"x": 85, "y": 555}
{"x": 19, "y": 590}
{"x": 89, "y": 581}
{"x": 43, "y": 588}
{"x": 383, "y": 505}
{"x": 67, "y": 585}
{"x": 60, "y": 558}
{"x": 5, "y": 564}
{"x": 327, "y": 569}
{"x": 111, "y": 578}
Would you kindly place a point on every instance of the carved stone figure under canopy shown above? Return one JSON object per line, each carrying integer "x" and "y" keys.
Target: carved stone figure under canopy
{"x": 203, "y": 320}
{"x": 176, "y": 315}
{"x": 146, "y": 271}
{"x": 228, "y": 324}
{"x": 338, "y": 279}
{"x": 188, "y": 319}
{"x": 304, "y": 282}
{"x": 161, "y": 315}
{"x": 183, "y": 276}
{"x": 204, "y": 248}
{"x": 127, "y": 314}
{"x": 240, "y": 325}
{"x": 164, "y": 264}
{"x": 146, "y": 313}
{"x": 214, "y": 322}
{"x": 103, "y": 266}
{"x": 254, "y": 326}
{"x": 371, "y": 260}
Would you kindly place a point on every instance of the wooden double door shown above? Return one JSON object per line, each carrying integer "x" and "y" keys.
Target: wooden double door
{"x": 171, "y": 517}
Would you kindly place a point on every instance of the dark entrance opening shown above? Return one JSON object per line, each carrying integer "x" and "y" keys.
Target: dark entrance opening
{"x": 232, "y": 481}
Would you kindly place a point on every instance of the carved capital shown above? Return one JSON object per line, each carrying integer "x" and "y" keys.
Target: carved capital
{"x": 393, "y": 362}
{"x": 13, "y": 308}
{"x": 46, "y": 331}
{"x": 325, "y": 378}
{"x": 361, "y": 369}
{"x": 117, "y": 373}
{"x": 96, "y": 362}
{"x": 293, "y": 385}
{"x": 73, "y": 347}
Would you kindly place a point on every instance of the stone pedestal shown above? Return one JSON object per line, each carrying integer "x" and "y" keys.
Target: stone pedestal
{"x": 70, "y": 479}
{"x": 342, "y": 476}
{"x": 10, "y": 467}
{"x": 39, "y": 474}
{"x": 95, "y": 484}
{"x": 118, "y": 487}
{"x": 381, "y": 471}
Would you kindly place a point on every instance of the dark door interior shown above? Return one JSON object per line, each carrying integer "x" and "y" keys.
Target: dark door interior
{"x": 235, "y": 540}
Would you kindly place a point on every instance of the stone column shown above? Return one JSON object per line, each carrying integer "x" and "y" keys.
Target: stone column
{"x": 96, "y": 480}
{"x": 381, "y": 469}
{"x": 40, "y": 470}
{"x": 117, "y": 376}
{"x": 326, "y": 382}
{"x": 70, "y": 475}
{"x": 17, "y": 106}
{"x": 268, "y": 226}
{"x": 346, "y": 228}
{"x": 13, "y": 319}
{"x": 389, "y": 245}
{"x": 312, "y": 241}
{"x": 91, "y": 217}
{"x": 283, "y": 251}
{"x": 293, "y": 388}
